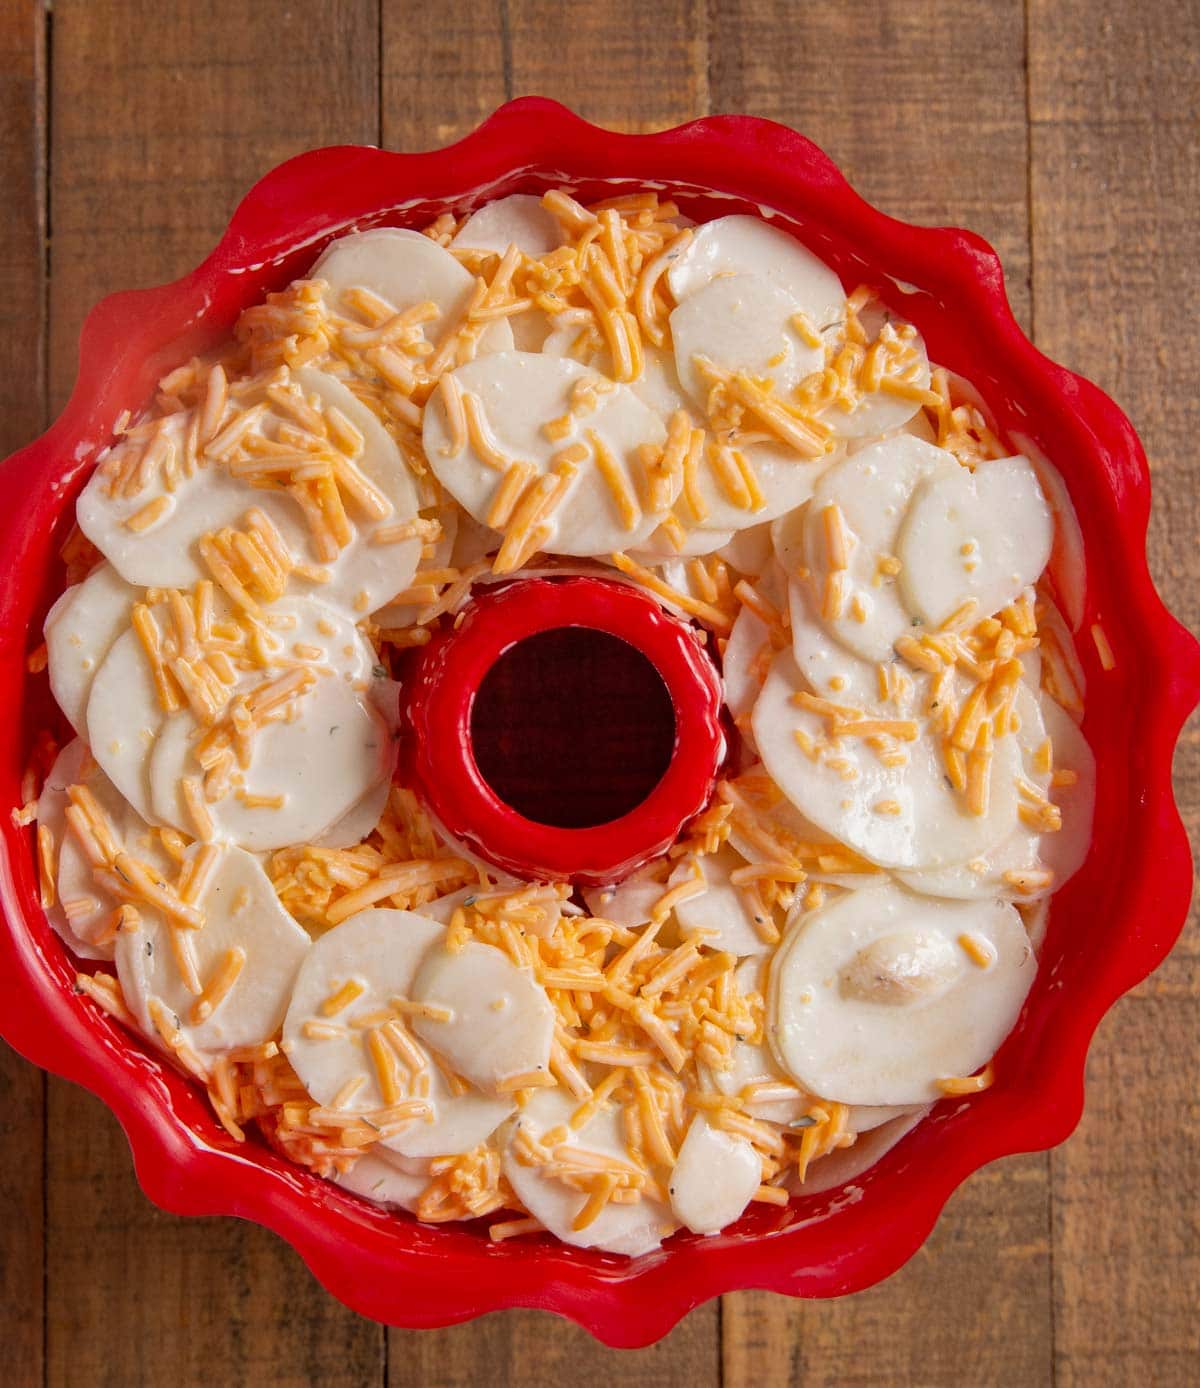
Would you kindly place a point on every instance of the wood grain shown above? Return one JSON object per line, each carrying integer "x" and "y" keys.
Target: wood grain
{"x": 22, "y": 415}
{"x": 923, "y": 106}
{"x": 1116, "y": 180}
{"x": 162, "y": 117}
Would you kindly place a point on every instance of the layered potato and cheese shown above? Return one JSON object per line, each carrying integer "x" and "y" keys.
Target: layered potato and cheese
{"x": 846, "y": 934}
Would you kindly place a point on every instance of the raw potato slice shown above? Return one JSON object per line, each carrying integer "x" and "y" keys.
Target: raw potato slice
{"x": 1015, "y": 868}
{"x": 749, "y": 551}
{"x": 501, "y": 1023}
{"x": 380, "y": 952}
{"x": 519, "y": 393}
{"x": 830, "y": 669}
{"x": 848, "y": 1163}
{"x": 785, "y": 479}
{"x": 630, "y": 1229}
{"x": 658, "y": 386}
{"x": 337, "y": 749}
{"x": 714, "y": 1178}
{"x": 873, "y": 999}
{"x": 163, "y": 554}
{"x": 241, "y": 912}
{"x": 80, "y": 631}
{"x": 322, "y": 764}
{"x": 904, "y": 816}
{"x": 358, "y": 822}
{"x": 872, "y": 490}
{"x": 365, "y": 574}
{"x": 51, "y": 812}
{"x": 741, "y": 245}
{"x": 375, "y": 1178}
{"x": 720, "y": 909}
{"x": 77, "y": 883}
{"x": 405, "y": 268}
{"x": 880, "y": 412}
{"x": 123, "y": 720}
{"x": 741, "y": 323}
{"x": 660, "y": 546}
{"x": 629, "y": 903}
{"x": 377, "y": 951}
{"x": 518, "y": 220}
{"x": 404, "y": 614}
{"x": 743, "y": 665}
{"x": 982, "y": 535}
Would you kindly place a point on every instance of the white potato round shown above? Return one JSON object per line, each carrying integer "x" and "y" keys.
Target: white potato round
{"x": 873, "y": 999}
{"x": 785, "y": 479}
{"x": 1016, "y": 868}
{"x": 982, "y": 535}
{"x": 90, "y": 904}
{"x": 501, "y": 1023}
{"x": 658, "y": 386}
{"x": 848, "y": 1163}
{"x": 364, "y": 575}
{"x": 241, "y": 911}
{"x": 720, "y": 910}
{"x": 322, "y": 764}
{"x": 904, "y": 816}
{"x": 405, "y": 268}
{"x": 80, "y": 631}
{"x": 519, "y": 393}
{"x": 628, "y": 903}
{"x": 741, "y": 245}
{"x": 358, "y": 821}
{"x": 124, "y": 718}
{"x": 832, "y": 671}
{"x": 872, "y": 489}
{"x": 375, "y": 1178}
{"x": 749, "y": 551}
{"x": 741, "y": 323}
{"x": 51, "y": 811}
{"x": 164, "y": 553}
{"x": 714, "y": 1178}
{"x": 518, "y": 220}
{"x": 629, "y": 1229}
{"x": 460, "y": 1122}
{"x": 404, "y": 614}
{"x": 696, "y": 542}
{"x": 880, "y": 412}
{"x": 787, "y": 541}
{"x": 378, "y": 950}
{"x": 743, "y": 667}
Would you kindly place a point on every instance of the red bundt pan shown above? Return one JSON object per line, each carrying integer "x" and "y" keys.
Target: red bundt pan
{"x": 1108, "y": 929}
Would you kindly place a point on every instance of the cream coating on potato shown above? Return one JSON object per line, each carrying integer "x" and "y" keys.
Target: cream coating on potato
{"x": 80, "y": 630}
{"x": 632, "y": 1229}
{"x": 241, "y": 913}
{"x": 874, "y": 999}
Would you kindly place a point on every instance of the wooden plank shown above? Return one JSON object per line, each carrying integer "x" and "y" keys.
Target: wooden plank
{"x": 1115, "y": 183}
{"x": 162, "y": 117}
{"x": 22, "y": 415}
{"x": 923, "y": 106}
{"x": 442, "y": 73}
{"x": 625, "y": 63}
{"x": 444, "y": 68}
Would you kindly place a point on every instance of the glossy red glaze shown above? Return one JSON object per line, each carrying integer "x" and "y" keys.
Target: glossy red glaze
{"x": 1108, "y": 929}
{"x": 440, "y": 695}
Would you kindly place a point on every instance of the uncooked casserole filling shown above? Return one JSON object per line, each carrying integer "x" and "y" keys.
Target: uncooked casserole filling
{"x": 749, "y": 476}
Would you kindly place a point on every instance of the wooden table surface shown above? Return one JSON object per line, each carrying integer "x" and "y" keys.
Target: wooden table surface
{"x": 1066, "y": 134}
